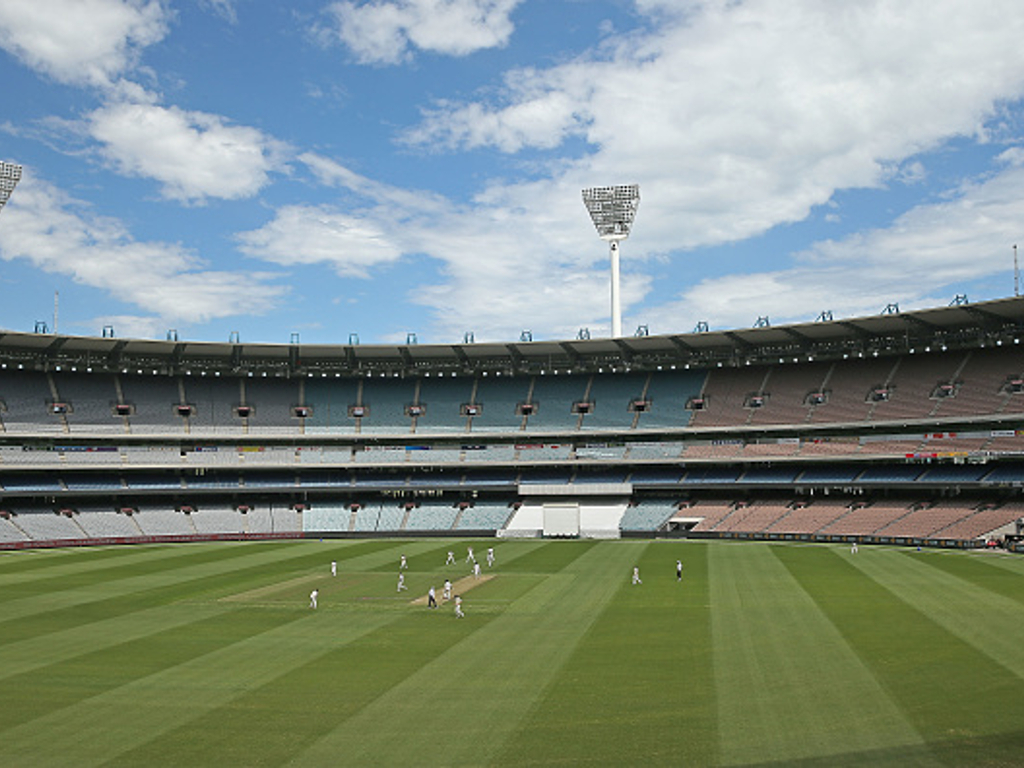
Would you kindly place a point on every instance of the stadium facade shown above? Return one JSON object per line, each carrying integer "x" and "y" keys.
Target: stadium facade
{"x": 904, "y": 427}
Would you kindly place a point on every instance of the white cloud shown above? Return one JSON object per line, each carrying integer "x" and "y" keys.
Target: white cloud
{"x": 312, "y": 235}
{"x": 496, "y": 281}
{"x": 498, "y": 300}
{"x": 223, "y": 8}
{"x": 59, "y": 235}
{"x": 195, "y": 155}
{"x": 124, "y": 326}
{"x": 734, "y": 118}
{"x": 740, "y": 116}
{"x": 384, "y": 31}
{"x": 543, "y": 119}
{"x": 83, "y": 42}
{"x": 930, "y": 251}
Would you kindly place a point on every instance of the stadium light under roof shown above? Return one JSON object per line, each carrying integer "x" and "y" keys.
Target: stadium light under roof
{"x": 612, "y": 209}
{"x": 10, "y": 175}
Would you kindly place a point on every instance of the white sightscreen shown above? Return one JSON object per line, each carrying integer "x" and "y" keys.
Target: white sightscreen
{"x": 562, "y": 519}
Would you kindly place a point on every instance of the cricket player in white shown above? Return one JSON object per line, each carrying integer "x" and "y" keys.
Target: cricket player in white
{"x": 490, "y": 557}
{"x": 403, "y": 565}
{"x": 470, "y": 558}
{"x": 451, "y": 558}
{"x": 476, "y": 570}
{"x": 312, "y": 598}
{"x": 636, "y": 575}
{"x": 447, "y": 594}
{"x": 334, "y": 567}
{"x": 401, "y": 582}
{"x": 458, "y": 608}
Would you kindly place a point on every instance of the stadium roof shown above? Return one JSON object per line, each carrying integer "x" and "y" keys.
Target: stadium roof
{"x": 954, "y": 327}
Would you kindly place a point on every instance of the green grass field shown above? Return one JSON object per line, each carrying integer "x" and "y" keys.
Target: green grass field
{"x": 208, "y": 654}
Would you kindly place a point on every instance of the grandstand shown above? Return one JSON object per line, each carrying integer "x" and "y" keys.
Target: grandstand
{"x": 903, "y": 428}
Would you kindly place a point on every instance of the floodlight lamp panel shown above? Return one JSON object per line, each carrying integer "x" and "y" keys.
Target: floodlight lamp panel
{"x": 612, "y": 209}
{"x": 10, "y": 175}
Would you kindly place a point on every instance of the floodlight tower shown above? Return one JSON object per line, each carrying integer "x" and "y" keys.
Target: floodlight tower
{"x": 10, "y": 175}
{"x": 612, "y": 209}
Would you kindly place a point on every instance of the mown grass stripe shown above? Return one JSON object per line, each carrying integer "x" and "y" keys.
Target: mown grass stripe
{"x": 639, "y": 682}
{"x": 13, "y": 561}
{"x": 102, "y": 727}
{"x": 547, "y": 557}
{"x": 81, "y": 576}
{"x": 985, "y": 571}
{"x": 361, "y": 671}
{"x": 459, "y": 708}
{"x": 60, "y": 685}
{"x": 52, "y": 566}
{"x": 788, "y": 685}
{"x": 990, "y": 621}
{"x": 149, "y": 676}
{"x": 956, "y": 697}
{"x": 1004, "y": 560}
{"x": 271, "y": 723}
{"x": 72, "y": 594}
{"x": 32, "y": 616}
{"x": 58, "y": 646}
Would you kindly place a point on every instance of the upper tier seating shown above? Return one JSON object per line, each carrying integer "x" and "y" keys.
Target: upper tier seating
{"x": 24, "y": 399}
{"x": 553, "y": 398}
{"x": 214, "y": 400}
{"x": 441, "y": 401}
{"x": 329, "y": 401}
{"x": 667, "y": 396}
{"x": 609, "y": 396}
{"x": 270, "y": 402}
{"x": 920, "y": 386}
{"x": 497, "y": 398}
{"x": 153, "y": 400}
{"x": 90, "y": 400}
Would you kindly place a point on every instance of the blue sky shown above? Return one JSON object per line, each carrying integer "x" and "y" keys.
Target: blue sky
{"x": 415, "y": 166}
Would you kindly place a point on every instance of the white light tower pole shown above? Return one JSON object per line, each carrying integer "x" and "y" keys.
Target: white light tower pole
{"x": 10, "y": 175}
{"x": 612, "y": 209}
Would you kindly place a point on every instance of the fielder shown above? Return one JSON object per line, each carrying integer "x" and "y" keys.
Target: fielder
{"x": 476, "y": 570}
{"x": 447, "y": 594}
{"x": 334, "y": 567}
{"x": 451, "y": 558}
{"x": 490, "y": 557}
{"x": 458, "y": 608}
{"x": 312, "y": 598}
{"x": 403, "y": 565}
{"x": 470, "y": 558}
{"x": 401, "y": 582}
{"x": 636, "y": 575}
{"x": 679, "y": 570}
